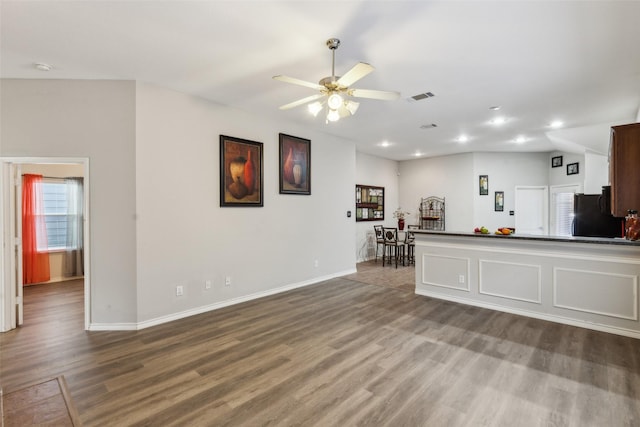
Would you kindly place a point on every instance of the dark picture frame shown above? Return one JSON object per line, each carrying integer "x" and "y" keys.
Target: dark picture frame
{"x": 483, "y": 185}
{"x": 499, "y": 201}
{"x": 369, "y": 203}
{"x": 573, "y": 168}
{"x": 556, "y": 161}
{"x": 295, "y": 165}
{"x": 241, "y": 174}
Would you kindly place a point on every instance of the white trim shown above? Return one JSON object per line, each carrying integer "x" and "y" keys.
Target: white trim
{"x": 552, "y": 318}
{"x": 634, "y": 282}
{"x": 490, "y": 261}
{"x": 466, "y": 288}
{"x": 600, "y": 257}
{"x": 215, "y": 306}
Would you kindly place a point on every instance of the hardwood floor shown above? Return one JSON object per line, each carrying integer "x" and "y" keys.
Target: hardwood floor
{"x": 339, "y": 353}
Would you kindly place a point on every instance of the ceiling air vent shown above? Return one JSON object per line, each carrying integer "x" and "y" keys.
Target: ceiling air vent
{"x": 432, "y": 125}
{"x": 421, "y": 96}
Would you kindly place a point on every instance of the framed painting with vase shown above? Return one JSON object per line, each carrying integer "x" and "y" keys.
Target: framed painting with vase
{"x": 295, "y": 165}
{"x": 240, "y": 172}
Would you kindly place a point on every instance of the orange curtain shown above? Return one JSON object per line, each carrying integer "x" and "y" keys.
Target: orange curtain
{"x": 35, "y": 257}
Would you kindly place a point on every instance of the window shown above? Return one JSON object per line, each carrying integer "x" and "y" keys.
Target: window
{"x": 562, "y": 209}
{"x": 55, "y": 212}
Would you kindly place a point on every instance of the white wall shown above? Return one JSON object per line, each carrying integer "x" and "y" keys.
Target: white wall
{"x": 451, "y": 177}
{"x": 558, "y": 175}
{"x": 155, "y": 215}
{"x": 372, "y": 170}
{"x": 93, "y": 119}
{"x": 185, "y": 238}
{"x": 506, "y": 171}
{"x": 596, "y": 168}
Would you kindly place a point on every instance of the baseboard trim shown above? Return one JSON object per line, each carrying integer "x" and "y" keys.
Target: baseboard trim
{"x": 551, "y": 318}
{"x": 215, "y": 306}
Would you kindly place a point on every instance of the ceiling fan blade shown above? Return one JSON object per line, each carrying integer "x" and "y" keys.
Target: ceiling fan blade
{"x": 360, "y": 70}
{"x": 374, "y": 94}
{"x": 301, "y": 101}
{"x": 298, "y": 82}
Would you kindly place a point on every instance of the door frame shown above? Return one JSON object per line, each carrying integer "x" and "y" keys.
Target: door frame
{"x": 553, "y": 190}
{"x": 545, "y": 201}
{"x": 8, "y": 256}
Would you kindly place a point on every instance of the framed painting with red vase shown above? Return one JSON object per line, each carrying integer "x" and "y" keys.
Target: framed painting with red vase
{"x": 240, "y": 172}
{"x": 295, "y": 165}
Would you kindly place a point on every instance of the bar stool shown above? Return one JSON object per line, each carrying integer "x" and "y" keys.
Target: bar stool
{"x": 392, "y": 244}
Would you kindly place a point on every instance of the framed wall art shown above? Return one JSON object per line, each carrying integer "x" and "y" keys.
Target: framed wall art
{"x": 369, "y": 203}
{"x": 573, "y": 168}
{"x": 483, "y": 183}
{"x": 295, "y": 165}
{"x": 556, "y": 161}
{"x": 499, "y": 201}
{"x": 240, "y": 172}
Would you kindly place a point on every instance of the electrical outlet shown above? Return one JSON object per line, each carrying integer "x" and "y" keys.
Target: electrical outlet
{"x": 461, "y": 278}
{"x": 315, "y": 263}
{"x": 207, "y": 284}
{"x": 179, "y": 290}
{"x": 227, "y": 281}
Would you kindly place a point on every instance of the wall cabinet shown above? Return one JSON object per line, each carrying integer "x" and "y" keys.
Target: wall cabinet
{"x": 624, "y": 168}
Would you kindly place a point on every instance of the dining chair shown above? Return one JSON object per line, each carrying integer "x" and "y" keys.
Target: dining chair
{"x": 392, "y": 245}
{"x": 379, "y": 240}
{"x": 410, "y": 241}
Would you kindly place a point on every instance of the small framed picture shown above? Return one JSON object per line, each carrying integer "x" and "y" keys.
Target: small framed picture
{"x": 556, "y": 162}
{"x": 499, "y": 201}
{"x": 483, "y": 183}
{"x": 573, "y": 168}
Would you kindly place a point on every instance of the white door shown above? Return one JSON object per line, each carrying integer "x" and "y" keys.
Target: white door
{"x": 532, "y": 210}
{"x": 16, "y": 209}
{"x": 12, "y": 255}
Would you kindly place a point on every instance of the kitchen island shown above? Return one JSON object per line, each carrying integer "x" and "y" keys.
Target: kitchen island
{"x": 581, "y": 281}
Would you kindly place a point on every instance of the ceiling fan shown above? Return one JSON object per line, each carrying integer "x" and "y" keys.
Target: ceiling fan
{"x": 335, "y": 91}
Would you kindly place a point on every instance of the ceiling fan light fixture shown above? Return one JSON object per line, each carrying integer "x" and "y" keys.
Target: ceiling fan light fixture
{"x": 333, "y": 115}
{"x": 352, "y": 106}
{"x": 335, "y": 101}
{"x": 315, "y": 108}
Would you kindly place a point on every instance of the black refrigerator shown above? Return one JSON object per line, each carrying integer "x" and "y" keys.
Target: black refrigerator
{"x": 590, "y": 220}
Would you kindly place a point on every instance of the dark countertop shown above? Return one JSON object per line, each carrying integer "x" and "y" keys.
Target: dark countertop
{"x": 593, "y": 240}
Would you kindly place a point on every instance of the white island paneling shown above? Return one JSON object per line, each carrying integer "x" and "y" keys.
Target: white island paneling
{"x": 588, "y": 282}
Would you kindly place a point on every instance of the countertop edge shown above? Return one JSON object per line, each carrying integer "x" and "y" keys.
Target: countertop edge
{"x": 560, "y": 239}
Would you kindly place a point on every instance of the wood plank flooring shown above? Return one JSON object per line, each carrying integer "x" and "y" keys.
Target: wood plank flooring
{"x": 45, "y": 403}
{"x": 339, "y": 353}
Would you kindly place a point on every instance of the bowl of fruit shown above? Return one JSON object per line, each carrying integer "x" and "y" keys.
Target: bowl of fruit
{"x": 504, "y": 231}
{"x": 481, "y": 230}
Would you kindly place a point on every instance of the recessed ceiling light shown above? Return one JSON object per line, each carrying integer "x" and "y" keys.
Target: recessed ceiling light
{"x": 385, "y": 144}
{"x": 520, "y": 140}
{"x": 417, "y": 154}
{"x": 42, "y": 67}
{"x": 556, "y": 124}
{"x": 498, "y": 121}
{"x": 462, "y": 139}
{"x": 494, "y": 108}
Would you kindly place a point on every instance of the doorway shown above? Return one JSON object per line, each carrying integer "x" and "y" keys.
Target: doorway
{"x": 561, "y": 218}
{"x": 532, "y": 210}
{"x": 11, "y": 288}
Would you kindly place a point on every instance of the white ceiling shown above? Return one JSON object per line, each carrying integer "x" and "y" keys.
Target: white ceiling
{"x": 574, "y": 61}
